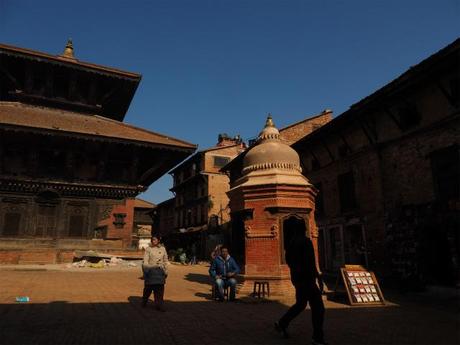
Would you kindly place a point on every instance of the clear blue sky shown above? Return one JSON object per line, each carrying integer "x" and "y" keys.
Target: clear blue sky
{"x": 220, "y": 66}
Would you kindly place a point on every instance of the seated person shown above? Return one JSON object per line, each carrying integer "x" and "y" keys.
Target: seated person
{"x": 223, "y": 270}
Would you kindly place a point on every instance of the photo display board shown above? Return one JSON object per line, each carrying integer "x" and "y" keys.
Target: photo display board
{"x": 362, "y": 286}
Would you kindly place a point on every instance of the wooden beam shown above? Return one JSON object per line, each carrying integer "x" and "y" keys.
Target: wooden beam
{"x": 327, "y": 149}
{"x": 446, "y": 94}
{"x": 392, "y": 117}
{"x": 342, "y": 137}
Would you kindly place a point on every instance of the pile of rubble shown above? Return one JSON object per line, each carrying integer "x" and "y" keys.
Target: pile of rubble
{"x": 93, "y": 259}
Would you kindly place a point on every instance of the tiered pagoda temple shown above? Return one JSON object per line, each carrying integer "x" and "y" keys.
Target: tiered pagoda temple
{"x": 70, "y": 169}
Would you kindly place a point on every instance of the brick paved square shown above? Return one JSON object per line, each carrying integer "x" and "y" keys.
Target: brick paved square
{"x": 91, "y": 306}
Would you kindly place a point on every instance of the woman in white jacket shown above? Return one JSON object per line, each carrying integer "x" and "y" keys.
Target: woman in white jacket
{"x": 155, "y": 269}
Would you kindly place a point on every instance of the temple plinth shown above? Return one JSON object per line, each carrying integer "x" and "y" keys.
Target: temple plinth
{"x": 269, "y": 202}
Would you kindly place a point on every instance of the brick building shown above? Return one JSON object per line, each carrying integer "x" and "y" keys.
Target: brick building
{"x": 200, "y": 202}
{"x": 70, "y": 169}
{"x": 142, "y": 223}
{"x": 271, "y": 204}
{"x": 295, "y": 131}
{"x": 388, "y": 176}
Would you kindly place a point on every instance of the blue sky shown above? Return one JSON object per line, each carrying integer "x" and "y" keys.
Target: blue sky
{"x": 220, "y": 66}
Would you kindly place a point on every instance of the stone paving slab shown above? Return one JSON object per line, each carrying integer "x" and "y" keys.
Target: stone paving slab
{"x": 103, "y": 307}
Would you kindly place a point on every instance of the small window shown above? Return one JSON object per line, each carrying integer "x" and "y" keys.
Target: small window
{"x": 220, "y": 161}
{"x": 119, "y": 220}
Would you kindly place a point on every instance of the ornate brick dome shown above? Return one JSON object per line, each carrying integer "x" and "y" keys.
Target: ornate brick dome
{"x": 270, "y": 152}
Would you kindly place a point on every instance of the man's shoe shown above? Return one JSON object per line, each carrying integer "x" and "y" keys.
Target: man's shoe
{"x": 220, "y": 299}
{"x": 318, "y": 342}
{"x": 282, "y": 330}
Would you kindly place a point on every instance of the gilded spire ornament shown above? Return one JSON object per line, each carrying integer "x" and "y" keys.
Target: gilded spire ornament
{"x": 68, "y": 50}
{"x": 269, "y": 122}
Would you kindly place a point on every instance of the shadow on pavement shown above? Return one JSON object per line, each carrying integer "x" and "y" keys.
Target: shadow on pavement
{"x": 207, "y": 322}
{"x": 198, "y": 278}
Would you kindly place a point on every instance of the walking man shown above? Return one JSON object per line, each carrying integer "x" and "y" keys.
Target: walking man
{"x": 300, "y": 258}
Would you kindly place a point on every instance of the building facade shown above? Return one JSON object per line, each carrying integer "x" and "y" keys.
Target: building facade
{"x": 142, "y": 223}
{"x": 200, "y": 202}
{"x": 388, "y": 176}
{"x": 70, "y": 169}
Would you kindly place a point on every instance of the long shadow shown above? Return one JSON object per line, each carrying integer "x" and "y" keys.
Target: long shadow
{"x": 212, "y": 323}
{"x": 198, "y": 278}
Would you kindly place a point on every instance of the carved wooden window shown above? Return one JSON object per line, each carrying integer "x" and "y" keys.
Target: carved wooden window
{"x": 11, "y": 224}
{"x": 220, "y": 161}
{"x": 119, "y": 221}
{"x": 46, "y": 221}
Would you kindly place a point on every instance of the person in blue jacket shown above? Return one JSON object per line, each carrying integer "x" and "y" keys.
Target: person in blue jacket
{"x": 223, "y": 270}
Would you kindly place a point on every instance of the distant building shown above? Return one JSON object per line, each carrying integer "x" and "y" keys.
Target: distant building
{"x": 200, "y": 202}
{"x": 388, "y": 175}
{"x": 70, "y": 169}
{"x": 163, "y": 217}
{"x": 142, "y": 225}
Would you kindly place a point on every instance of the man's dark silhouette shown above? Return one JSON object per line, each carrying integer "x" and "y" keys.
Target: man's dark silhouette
{"x": 300, "y": 258}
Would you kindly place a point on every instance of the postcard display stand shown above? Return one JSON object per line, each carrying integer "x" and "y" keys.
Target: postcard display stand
{"x": 362, "y": 287}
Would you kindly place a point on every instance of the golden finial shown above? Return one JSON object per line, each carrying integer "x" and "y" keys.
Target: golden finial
{"x": 68, "y": 50}
{"x": 269, "y": 122}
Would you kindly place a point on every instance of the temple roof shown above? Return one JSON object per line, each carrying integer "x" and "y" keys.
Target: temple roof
{"x": 64, "y": 82}
{"x": 59, "y": 59}
{"x": 19, "y": 115}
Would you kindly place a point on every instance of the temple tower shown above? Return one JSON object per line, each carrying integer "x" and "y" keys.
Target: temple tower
{"x": 269, "y": 202}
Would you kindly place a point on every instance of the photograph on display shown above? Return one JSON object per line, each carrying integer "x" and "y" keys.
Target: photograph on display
{"x": 361, "y": 286}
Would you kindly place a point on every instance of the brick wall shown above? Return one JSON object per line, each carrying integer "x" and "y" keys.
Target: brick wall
{"x": 298, "y": 130}
{"x": 392, "y": 171}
